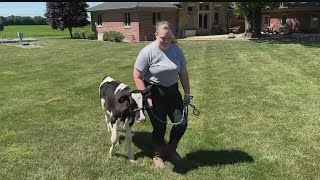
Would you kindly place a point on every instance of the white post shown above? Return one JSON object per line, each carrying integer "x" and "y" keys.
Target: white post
{"x": 20, "y": 34}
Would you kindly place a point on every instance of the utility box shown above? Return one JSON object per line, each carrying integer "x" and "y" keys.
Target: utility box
{"x": 20, "y": 34}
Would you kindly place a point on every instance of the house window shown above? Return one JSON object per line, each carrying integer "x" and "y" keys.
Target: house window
{"x": 127, "y": 20}
{"x": 216, "y": 18}
{"x": 314, "y": 21}
{"x": 200, "y": 20}
{"x": 229, "y": 20}
{"x": 156, "y": 16}
{"x": 283, "y": 19}
{"x": 204, "y": 7}
{"x": 314, "y": 18}
{"x": 190, "y": 18}
{"x": 266, "y": 20}
{"x": 99, "y": 19}
{"x": 205, "y": 21}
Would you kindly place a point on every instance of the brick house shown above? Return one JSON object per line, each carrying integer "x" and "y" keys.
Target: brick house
{"x": 303, "y": 17}
{"x": 136, "y": 20}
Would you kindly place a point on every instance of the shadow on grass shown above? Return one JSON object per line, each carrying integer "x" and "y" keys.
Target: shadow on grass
{"x": 308, "y": 41}
{"x": 192, "y": 160}
{"x": 64, "y": 37}
{"x": 201, "y": 158}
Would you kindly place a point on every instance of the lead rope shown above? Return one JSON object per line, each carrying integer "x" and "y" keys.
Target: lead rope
{"x": 185, "y": 112}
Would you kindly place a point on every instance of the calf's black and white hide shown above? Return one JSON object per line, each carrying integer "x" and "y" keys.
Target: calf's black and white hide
{"x": 121, "y": 104}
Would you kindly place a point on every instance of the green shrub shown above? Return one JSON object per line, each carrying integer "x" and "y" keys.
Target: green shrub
{"x": 84, "y": 34}
{"x": 113, "y": 36}
{"x": 90, "y": 35}
{"x": 76, "y": 35}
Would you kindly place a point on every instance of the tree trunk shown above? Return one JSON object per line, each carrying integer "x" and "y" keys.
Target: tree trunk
{"x": 248, "y": 25}
{"x": 70, "y": 30}
{"x": 253, "y": 24}
{"x": 257, "y": 23}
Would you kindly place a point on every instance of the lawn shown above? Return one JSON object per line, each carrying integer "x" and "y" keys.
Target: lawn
{"x": 35, "y": 31}
{"x": 259, "y": 103}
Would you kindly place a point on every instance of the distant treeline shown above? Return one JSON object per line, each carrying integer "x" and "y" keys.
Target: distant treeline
{"x": 23, "y": 20}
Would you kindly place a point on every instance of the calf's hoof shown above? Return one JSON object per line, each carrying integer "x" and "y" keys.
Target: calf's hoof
{"x": 131, "y": 158}
{"x": 158, "y": 162}
{"x": 112, "y": 151}
{"x": 141, "y": 121}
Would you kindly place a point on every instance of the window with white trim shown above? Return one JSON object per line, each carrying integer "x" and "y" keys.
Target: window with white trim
{"x": 314, "y": 20}
{"x": 266, "y": 20}
{"x": 127, "y": 19}
{"x": 99, "y": 19}
{"x": 216, "y": 18}
{"x": 204, "y": 7}
{"x": 156, "y": 16}
{"x": 283, "y": 19}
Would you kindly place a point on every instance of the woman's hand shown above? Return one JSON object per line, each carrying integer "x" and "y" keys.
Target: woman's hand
{"x": 187, "y": 99}
{"x": 149, "y": 102}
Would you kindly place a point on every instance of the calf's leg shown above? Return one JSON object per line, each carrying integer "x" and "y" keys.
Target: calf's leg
{"x": 108, "y": 115}
{"x": 114, "y": 137}
{"x": 129, "y": 139}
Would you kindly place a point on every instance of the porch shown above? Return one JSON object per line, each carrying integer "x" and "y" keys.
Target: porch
{"x": 203, "y": 18}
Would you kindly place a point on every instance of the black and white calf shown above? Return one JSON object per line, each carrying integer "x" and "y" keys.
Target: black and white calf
{"x": 121, "y": 104}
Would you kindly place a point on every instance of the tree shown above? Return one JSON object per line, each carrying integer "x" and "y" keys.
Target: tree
{"x": 251, "y": 11}
{"x": 23, "y": 20}
{"x": 10, "y": 20}
{"x": 27, "y": 20}
{"x": 66, "y": 15}
{"x": 1, "y": 29}
{"x": 3, "y": 21}
{"x": 40, "y": 20}
{"x": 17, "y": 20}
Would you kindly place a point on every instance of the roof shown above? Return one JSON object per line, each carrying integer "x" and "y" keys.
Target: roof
{"x": 129, "y": 5}
{"x": 308, "y": 4}
{"x": 299, "y": 6}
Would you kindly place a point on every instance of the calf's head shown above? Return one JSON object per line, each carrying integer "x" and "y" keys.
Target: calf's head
{"x": 135, "y": 100}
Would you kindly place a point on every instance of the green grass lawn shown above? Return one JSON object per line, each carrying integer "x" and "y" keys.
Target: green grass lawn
{"x": 35, "y": 31}
{"x": 259, "y": 104}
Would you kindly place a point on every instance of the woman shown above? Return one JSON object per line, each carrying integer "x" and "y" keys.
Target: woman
{"x": 162, "y": 63}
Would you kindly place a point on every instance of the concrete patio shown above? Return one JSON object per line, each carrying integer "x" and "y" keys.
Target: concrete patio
{"x": 239, "y": 37}
{"x": 12, "y": 40}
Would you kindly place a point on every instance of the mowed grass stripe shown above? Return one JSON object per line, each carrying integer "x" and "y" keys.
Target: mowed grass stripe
{"x": 259, "y": 106}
